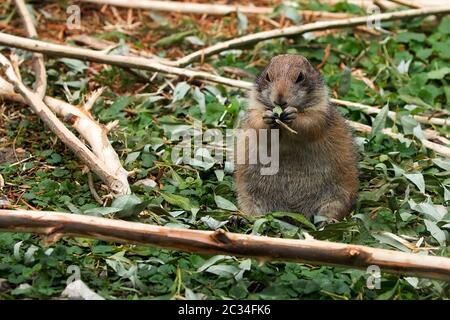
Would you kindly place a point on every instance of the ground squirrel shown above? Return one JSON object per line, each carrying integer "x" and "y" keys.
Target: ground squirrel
{"x": 317, "y": 172}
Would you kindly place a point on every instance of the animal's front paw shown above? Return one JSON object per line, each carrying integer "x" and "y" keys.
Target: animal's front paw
{"x": 288, "y": 115}
{"x": 269, "y": 117}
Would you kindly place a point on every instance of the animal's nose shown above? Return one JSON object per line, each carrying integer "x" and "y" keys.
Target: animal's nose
{"x": 280, "y": 102}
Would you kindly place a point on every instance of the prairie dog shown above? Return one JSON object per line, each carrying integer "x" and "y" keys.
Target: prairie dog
{"x": 318, "y": 172}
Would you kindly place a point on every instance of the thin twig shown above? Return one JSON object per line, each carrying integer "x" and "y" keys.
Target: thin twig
{"x": 40, "y": 85}
{"x": 284, "y": 125}
{"x": 407, "y": 4}
{"x": 92, "y": 98}
{"x": 92, "y": 188}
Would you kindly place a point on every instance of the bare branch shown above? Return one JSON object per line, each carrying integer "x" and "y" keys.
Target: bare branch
{"x": 40, "y": 85}
{"x": 438, "y": 148}
{"x": 391, "y": 114}
{"x": 407, "y": 3}
{"x": 56, "y": 224}
{"x": 297, "y": 30}
{"x": 212, "y": 9}
{"x": 116, "y": 180}
{"x": 122, "y": 61}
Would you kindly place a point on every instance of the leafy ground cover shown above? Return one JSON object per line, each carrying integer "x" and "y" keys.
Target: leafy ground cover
{"x": 404, "y": 189}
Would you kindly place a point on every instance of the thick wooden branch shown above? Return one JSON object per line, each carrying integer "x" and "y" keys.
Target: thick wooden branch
{"x": 40, "y": 85}
{"x": 55, "y": 225}
{"x": 64, "y": 134}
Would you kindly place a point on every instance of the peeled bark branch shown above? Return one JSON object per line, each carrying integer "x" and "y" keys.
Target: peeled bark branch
{"x": 64, "y": 134}
{"x": 54, "y": 225}
{"x": 93, "y": 132}
{"x": 40, "y": 85}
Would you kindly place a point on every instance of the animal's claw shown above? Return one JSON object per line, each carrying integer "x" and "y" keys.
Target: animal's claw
{"x": 288, "y": 115}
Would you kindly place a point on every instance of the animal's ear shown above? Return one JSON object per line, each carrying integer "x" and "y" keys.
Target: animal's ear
{"x": 261, "y": 78}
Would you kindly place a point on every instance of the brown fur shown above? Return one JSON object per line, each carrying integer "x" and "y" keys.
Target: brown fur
{"x": 318, "y": 166}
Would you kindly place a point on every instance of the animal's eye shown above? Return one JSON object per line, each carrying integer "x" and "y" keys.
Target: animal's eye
{"x": 267, "y": 77}
{"x": 300, "y": 77}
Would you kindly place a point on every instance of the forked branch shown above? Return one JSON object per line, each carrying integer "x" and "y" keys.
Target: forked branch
{"x": 112, "y": 179}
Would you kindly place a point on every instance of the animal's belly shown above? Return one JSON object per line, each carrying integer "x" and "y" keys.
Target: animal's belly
{"x": 296, "y": 187}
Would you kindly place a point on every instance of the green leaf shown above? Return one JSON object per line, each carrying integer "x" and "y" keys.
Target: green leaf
{"x": 444, "y": 27}
{"x": 438, "y": 74}
{"x": 345, "y": 81}
{"x": 388, "y": 294}
{"x": 159, "y": 19}
{"x": 173, "y": 38}
{"x": 435, "y": 231}
{"x": 292, "y": 14}
{"x": 212, "y": 223}
{"x": 277, "y": 110}
{"x": 177, "y": 200}
{"x": 380, "y": 121}
{"x": 295, "y": 216}
{"x": 129, "y": 205}
{"x": 417, "y": 179}
{"x": 406, "y": 37}
{"x": 443, "y": 163}
{"x": 225, "y": 204}
{"x": 74, "y": 64}
{"x": 196, "y": 41}
{"x": 101, "y": 211}
{"x": 118, "y": 105}
{"x": 180, "y": 91}
{"x": 126, "y": 201}
{"x": 131, "y": 157}
{"x": 414, "y": 100}
{"x": 242, "y": 22}
{"x": 211, "y": 261}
